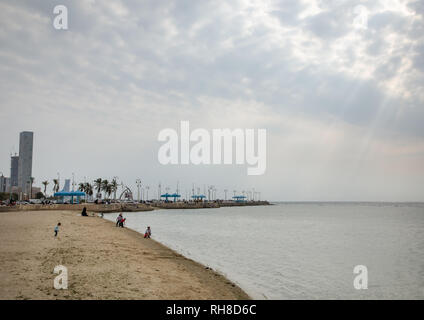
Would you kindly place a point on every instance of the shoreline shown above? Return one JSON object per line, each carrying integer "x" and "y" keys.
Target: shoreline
{"x": 104, "y": 262}
{"x": 129, "y": 207}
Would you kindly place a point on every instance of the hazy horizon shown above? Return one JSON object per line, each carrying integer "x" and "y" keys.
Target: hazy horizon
{"x": 342, "y": 104}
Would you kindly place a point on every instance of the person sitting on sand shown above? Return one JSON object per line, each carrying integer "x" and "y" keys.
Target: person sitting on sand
{"x": 148, "y": 233}
{"x": 118, "y": 220}
{"x": 84, "y": 212}
{"x": 56, "y": 229}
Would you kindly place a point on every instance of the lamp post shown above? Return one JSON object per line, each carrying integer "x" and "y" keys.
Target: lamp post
{"x": 159, "y": 191}
{"x": 167, "y": 192}
{"x": 147, "y": 192}
{"x": 73, "y": 182}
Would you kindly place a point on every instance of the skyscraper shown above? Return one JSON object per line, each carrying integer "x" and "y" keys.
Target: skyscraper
{"x": 14, "y": 166}
{"x": 66, "y": 186}
{"x": 4, "y": 183}
{"x": 25, "y": 160}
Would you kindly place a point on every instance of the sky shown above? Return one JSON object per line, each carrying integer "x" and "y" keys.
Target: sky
{"x": 338, "y": 85}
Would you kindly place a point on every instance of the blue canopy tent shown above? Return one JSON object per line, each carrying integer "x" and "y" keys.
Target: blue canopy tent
{"x": 239, "y": 198}
{"x": 175, "y": 196}
{"x": 197, "y": 197}
{"x": 71, "y": 194}
{"x": 168, "y": 195}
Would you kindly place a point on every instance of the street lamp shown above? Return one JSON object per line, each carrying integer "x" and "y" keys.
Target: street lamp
{"x": 159, "y": 191}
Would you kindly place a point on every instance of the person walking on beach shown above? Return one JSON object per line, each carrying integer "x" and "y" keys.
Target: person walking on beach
{"x": 118, "y": 220}
{"x": 56, "y": 229}
{"x": 148, "y": 233}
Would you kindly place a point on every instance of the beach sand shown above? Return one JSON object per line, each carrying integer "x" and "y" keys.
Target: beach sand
{"x": 103, "y": 262}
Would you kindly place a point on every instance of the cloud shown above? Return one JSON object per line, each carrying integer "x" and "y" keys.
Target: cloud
{"x": 127, "y": 69}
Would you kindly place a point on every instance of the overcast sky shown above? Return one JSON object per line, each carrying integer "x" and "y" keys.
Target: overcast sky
{"x": 342, "y": 104}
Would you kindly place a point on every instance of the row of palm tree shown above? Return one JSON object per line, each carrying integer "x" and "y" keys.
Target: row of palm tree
{"x": 86, "y": 187}
{"x": 100, "y": 185}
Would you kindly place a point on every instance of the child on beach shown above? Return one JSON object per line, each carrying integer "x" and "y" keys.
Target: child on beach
{"x": 56, "y": 229}
{"x": 121, "y": 223}
{"x": 148, "y": 233}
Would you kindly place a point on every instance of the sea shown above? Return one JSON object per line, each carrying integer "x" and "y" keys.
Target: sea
{"x": 303, "y": 250}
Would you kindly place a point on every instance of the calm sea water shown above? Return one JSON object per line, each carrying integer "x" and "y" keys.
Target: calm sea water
{"x": 301, "y": 250}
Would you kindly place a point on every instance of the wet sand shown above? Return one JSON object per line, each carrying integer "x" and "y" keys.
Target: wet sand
{"x": 104, "y": 262}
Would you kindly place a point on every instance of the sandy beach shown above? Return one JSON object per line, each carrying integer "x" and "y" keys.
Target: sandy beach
{"x": 104, "y": 262}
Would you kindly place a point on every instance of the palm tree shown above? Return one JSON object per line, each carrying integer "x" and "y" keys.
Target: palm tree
{"x": 114, "y": 186}
{"x": 89, "y": 189}
{"x": 98, "y": 184}
{"x": 81, "y": 186}
{"x": 45, "y": 183}
{"x": 105, "y": 186}
{"x": 56, "y": 185}
{"x": 109, "y": 189}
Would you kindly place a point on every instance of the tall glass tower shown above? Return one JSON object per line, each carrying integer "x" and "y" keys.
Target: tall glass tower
{"x": 14, "y": 167}
{"x": 25, "y": 160}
